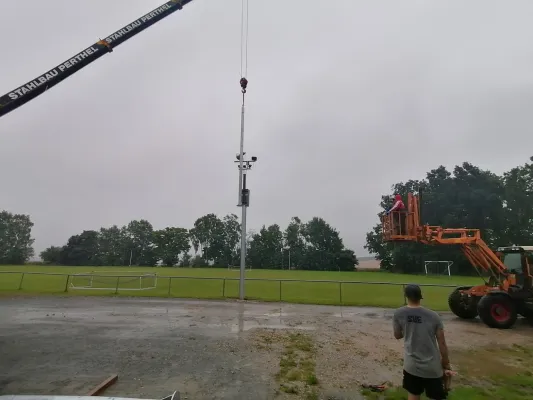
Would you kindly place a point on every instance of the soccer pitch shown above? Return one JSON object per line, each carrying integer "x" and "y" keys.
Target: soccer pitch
{"x": 346, "y": 288}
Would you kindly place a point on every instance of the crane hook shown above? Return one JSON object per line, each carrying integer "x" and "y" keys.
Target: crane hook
{"x": 244, "y": 84}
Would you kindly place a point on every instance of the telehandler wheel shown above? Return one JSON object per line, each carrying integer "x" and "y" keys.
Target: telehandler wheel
{"x": 459, "y": 307}
{"x": 497, "y": 311}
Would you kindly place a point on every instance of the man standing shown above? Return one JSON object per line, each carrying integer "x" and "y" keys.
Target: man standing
{"x": 426, "y": 359}
{"x": 398, "y": 204}
{"x": 398, "y": 221}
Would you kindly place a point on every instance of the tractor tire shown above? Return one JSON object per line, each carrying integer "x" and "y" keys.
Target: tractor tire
{"x": 497, "y": 311}
{"x": 459, "y": 307}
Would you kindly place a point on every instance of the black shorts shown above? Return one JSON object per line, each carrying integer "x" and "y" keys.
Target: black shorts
{"x": 434, "y": 387}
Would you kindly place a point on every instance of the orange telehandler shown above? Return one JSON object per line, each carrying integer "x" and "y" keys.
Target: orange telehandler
{"x": 506, "y": 293}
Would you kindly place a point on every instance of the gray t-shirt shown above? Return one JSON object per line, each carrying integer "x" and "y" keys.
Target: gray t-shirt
{"x": 419, "y": 326}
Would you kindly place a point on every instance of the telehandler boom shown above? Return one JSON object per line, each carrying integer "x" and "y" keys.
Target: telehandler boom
{"x": 506, "y": 293}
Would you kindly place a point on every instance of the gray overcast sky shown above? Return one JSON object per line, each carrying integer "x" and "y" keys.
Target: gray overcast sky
{"x": 346, "y": 98}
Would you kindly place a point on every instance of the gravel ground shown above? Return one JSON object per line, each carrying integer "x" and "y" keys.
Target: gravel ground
{"x": 204, "y": 349}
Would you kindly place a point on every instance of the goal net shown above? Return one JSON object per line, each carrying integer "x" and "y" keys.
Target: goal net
{"x": 438, "y": 267}
{"x": 113, "y": 281}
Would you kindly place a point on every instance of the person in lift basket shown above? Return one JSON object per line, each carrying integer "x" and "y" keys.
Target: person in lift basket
{"x": 426, "y": 364}
{"x": 399, "y": 217}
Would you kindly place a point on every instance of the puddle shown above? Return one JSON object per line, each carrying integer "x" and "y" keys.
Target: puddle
{"x": 246, "y": 325}
{"x": 235, "y": 328}
{"x": 276, "y": 314}
{"x": 363, "y": 312}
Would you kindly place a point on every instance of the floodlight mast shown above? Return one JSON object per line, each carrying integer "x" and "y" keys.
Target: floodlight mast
{"x": 244, "y": 202}
{"x": 244, "y": 166}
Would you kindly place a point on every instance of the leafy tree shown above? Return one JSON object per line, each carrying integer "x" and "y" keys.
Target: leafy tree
{"x": 382, "y": 250}
{"x": 346, "y": 260}
{"x": 479, "y": 199}
{"x": 314, "y": 245}
{"x": 81, "y": 250}
{"x": 519, "y": 204}
{"x": 51, "y": 255}
{"x": 112, "y": 246}
{"x": 170, "y": 243}
{"x": 139, "y": 243}
{"x": 266, "y": 248}
{"x": 323, "y": 245}
{"x": 294, "y": 243}
{"x": 198, "y": 262}
{"x": 15, "y": 238}
{"x": 208, "y": 236}
{"x": 185, "y": 260}
{"x": 232, "y": 237}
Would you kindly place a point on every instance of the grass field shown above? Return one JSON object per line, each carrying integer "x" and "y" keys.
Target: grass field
{"x": 495, "y": 373}
{"x": 190, "y": 283}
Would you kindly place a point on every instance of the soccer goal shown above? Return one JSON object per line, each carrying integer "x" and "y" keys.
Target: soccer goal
{"x": 112, "y": 281}
{"x": 438, "y": 267}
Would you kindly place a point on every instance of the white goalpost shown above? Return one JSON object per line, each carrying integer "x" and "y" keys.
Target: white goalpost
{"x": 107, "y": 280}
{"x": 438, "y": 267}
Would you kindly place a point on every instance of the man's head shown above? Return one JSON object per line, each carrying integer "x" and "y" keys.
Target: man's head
{"x": 413, "y": 294}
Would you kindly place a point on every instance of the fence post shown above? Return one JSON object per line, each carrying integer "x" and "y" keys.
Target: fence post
{"x": 340, "y": 292}
{"x": 169, "y": 285}
{"x": 404, "y": 298}
{"x": 66, "y": 283}
{"x": 116, "y": 289}
{"x": 280, "y": 290}
{"x": 223, "y": 287}
{"x": 21, "y": 279}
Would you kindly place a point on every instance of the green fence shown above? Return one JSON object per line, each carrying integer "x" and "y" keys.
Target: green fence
{"x": 379, "y": 294}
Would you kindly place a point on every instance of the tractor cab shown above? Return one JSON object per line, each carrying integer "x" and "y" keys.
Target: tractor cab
{"x": 519, "y": 262}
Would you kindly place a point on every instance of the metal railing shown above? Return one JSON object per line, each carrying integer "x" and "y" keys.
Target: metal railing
{"x": 267, "y": 289}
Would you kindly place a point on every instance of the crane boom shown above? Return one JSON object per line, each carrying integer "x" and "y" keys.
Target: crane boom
{"x": 22, "y": 94}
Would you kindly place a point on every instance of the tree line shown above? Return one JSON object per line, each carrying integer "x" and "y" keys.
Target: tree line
{"x": 212, "y": 241}
{"x": 501, "y": 206}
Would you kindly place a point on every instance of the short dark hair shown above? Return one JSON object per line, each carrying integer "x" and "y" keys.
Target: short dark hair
{"x": 413, "y": 292}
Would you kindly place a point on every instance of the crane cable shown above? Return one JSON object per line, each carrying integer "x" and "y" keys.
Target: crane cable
{"x": 244, "y": 48}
